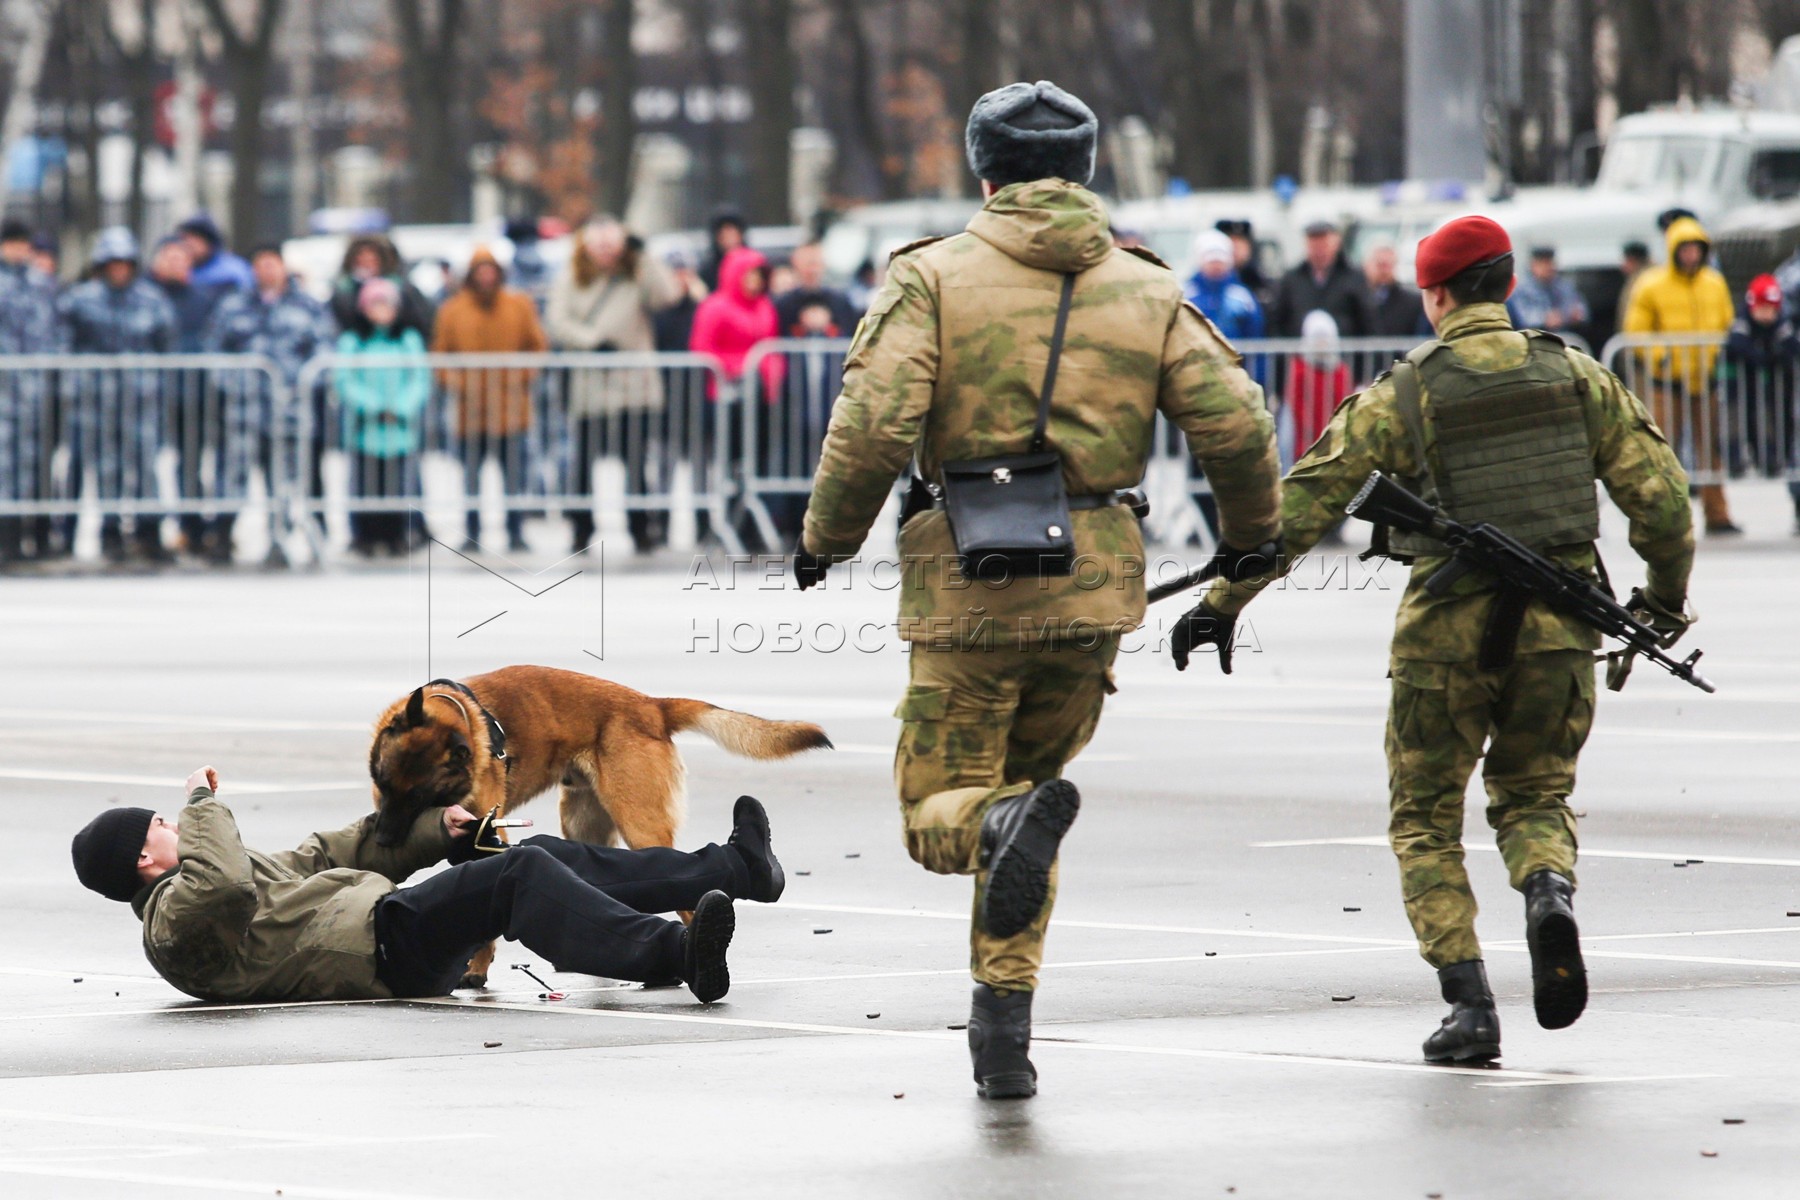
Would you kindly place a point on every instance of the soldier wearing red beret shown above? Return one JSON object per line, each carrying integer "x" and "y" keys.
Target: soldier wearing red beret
{"x": 1513, "y": 428}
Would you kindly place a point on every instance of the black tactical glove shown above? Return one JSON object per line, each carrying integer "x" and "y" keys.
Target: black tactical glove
{"x": 476, "y": 841}
{"x": 1203, "y": 625}
{"x": 808, "y": 568}
{"x": 1238, "y": 565}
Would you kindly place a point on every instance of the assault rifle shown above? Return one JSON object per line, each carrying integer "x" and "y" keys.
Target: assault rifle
{"x": 1518, "y": 568}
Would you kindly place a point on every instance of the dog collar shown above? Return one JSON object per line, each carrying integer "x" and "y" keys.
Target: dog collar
{"x": 496, "y": 734}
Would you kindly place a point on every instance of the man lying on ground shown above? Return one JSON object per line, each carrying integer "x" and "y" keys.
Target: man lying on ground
{"x": 328, "y": 921}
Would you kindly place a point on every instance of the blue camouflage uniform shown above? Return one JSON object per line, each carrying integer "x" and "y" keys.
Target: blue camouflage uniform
{"x": 27, "y": 326}
{"x": 115, "y": 415}
{"x": 1533, "y": 301}
{"x": 289, "y": 329}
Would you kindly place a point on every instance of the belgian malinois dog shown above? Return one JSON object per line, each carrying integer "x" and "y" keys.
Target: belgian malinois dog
{"x": 506, "y": 737}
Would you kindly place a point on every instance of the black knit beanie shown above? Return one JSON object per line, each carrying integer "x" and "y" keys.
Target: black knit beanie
{"x": 106, "y": 851}
{"x": 1027, "y": 131}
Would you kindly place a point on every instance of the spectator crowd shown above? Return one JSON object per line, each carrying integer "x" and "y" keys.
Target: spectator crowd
{"x": 1723, "y": 386}
{"x": 140, "y": 438}
{"x": 112, "y": 434}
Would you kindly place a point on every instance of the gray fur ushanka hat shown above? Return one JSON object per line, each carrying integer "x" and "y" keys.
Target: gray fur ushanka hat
{"x": 1027, "y": 131}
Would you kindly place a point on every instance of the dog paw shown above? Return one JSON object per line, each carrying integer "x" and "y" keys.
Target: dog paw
{"x": 473, "y": 981}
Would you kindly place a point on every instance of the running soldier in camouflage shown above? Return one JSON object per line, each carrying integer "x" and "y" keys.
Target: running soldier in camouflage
{"x": 1007, "y": 681}
{"x": 1471, "y": 673}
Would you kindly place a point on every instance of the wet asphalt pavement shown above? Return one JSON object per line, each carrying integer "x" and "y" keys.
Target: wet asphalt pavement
{"x": 1232, "y": 1003}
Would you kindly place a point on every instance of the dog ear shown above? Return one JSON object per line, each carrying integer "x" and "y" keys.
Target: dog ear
{"x": 415, "y": 708}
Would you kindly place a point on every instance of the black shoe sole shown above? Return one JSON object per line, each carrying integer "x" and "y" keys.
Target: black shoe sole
{"x": 1018, "y": 881}
{"x": 1479, "y": 1052}
{"x": 1558, "y": 976}
{"x": 707, "y": 940}
{"x": 777, "y": 877}
{"x": 1013, "y": 1085}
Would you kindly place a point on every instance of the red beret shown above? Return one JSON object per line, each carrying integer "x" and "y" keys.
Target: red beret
{"x": 1458, "y": 245}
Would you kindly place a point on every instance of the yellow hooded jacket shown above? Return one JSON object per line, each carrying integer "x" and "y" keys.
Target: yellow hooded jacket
{"x": 1666, "y": 300}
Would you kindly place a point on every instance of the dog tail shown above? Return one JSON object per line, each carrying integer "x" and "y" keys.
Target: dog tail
{"x": 741, "y": 733}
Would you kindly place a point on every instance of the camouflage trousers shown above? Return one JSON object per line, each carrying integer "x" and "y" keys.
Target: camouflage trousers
{"x": 979, "y": 726}
{"x": 1532, "y": 719}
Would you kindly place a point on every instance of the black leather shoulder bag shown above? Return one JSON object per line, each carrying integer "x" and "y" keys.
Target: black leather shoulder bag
{"x": 1010, "y": 514}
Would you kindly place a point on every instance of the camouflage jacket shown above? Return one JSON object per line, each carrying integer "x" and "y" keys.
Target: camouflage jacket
{"x": 291, "y": 330}
{"x": 95, "y": 318}
{"x": 1631, "y": 458}
{"x": 27, "y": 313}
{"x": 948, "y": 364}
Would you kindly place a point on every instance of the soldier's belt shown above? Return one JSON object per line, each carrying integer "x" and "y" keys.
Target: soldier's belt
{"x": 1134, "y": 498}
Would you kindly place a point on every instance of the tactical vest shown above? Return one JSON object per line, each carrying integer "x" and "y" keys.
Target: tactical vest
{"x": 1511, "y": 446}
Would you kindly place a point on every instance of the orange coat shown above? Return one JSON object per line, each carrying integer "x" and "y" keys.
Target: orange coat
{"x": 490, "y": 400}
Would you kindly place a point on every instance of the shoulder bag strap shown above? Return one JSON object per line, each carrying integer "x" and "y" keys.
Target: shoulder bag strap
{"x": 1056, "y": 345}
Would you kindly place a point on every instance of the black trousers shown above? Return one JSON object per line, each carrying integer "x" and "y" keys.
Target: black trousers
{"x": 585, "y": 908}
{"x": 627, "y": 436}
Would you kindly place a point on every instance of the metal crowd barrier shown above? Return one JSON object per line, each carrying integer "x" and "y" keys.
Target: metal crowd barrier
{"x": 480, "y": 442}
{"x": 1729, "y": 410}
{"x": 791, "y": 385}
{"x": 138, "y": 437}
{"x": 352, "y": 446}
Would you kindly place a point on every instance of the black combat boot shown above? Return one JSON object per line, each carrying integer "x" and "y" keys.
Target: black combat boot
{"x": 1471, "y": 1033}
{"x": 1019, "y": 837}
{"x": 1000, "y": 1044}
{"x": 703, "y": 946}
{"x": 750, "y": 838}
{"x": 1558, "y": 977}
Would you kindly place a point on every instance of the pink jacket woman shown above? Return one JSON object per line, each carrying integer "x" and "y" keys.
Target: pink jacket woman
{"x": 738, "y": 316}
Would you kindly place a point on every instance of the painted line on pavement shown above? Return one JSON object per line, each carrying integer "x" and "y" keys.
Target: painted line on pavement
{"x": 1703, "y": 959}
{"x": 1363, "y": 946}
{"x": 46, "y": 973}
{"x": 1635, "y": 732}
{"x": 687, "y": 742}
{"x": 136, "y": 1124}
{"x": 1565, "y": 1081}
{"x": 1656, "y": 937}
{"x": 199, "y": 1183}
{"x": 47, "y": 775}
{"x": 1732, "y": 860}
{"x": 1255, "y": 1056}
{"x": 1109, "y": 926}
{"x": 964, "y": 970}
{"x": 178, "y": 1010}
{"x": 937, "y": 972}
{"x": 246, "y": 724}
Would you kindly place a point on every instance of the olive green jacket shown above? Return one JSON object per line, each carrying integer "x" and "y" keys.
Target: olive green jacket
{"x": 232, "y": 923}
{"x": 948, "y": 364}
{"x": 1631, "y": 458}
